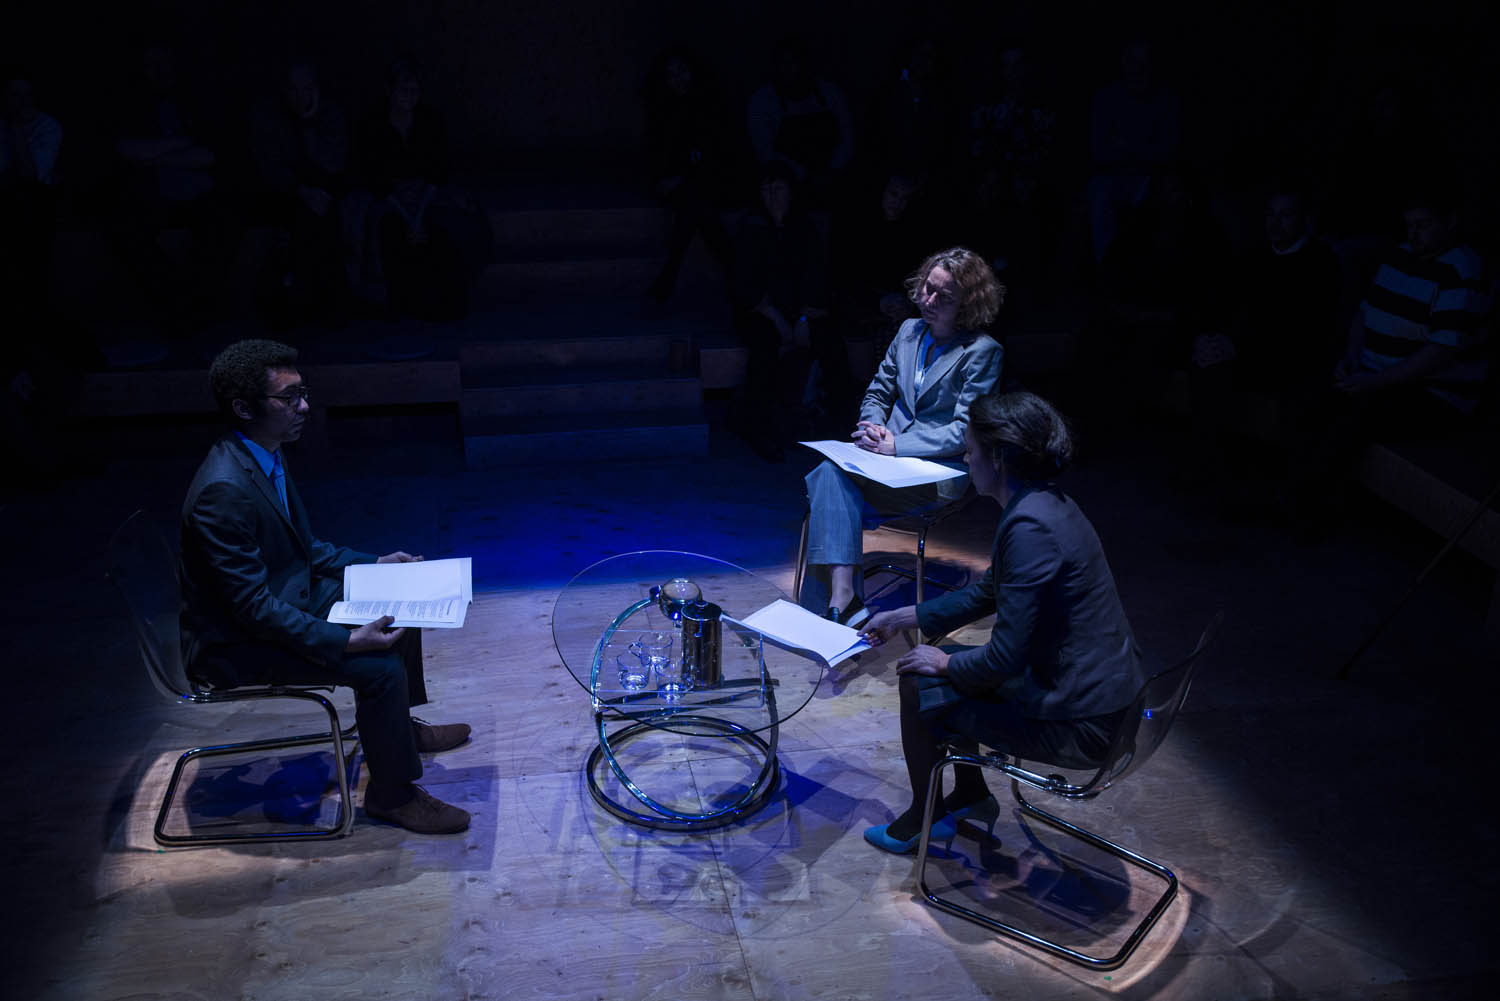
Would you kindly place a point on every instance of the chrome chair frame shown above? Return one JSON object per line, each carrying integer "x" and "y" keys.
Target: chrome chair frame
{"x": 142, "y": 564}
{"x": 1162, "y": 696}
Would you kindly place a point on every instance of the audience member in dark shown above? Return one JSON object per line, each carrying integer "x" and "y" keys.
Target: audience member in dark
{"x": 917, "y": 127}
{"x": 687, "y": 139}
{"x": 39, "y": 374}
{"x": 300, "y": 143}
{"x": 30, "y": 143}
{"x": 1012, "y": 132}
{"x": 30, "y": 139}
{"x": 171, "y": 182}
{"x": 1162, "y": 284}
{"x": 1134, "y": 134}
{"x": 782, "y": 308}
{"x": 1373, "y": 158}
{"x": 1416, "y": 354}
{"x": 1415, "y": 365}
{"x": 1281, "y": 344}
{"x": 917, "y": 405}
{"x": 803, "y": 121}
{"x": 874, "y": 245}
{"x": 425, "y": 239}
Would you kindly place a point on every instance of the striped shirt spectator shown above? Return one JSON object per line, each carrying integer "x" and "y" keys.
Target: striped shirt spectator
{"x": 1415, "y": 301}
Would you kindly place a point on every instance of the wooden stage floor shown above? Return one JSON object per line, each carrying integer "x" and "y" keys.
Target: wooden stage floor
{"x": 1326, "y": 840}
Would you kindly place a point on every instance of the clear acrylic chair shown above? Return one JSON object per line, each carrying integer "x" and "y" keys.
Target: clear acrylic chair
{"x": 144, "y": 570}
{"x": 1144, "y": 728}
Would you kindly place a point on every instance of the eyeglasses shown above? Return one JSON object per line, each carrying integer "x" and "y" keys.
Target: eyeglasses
{"x": 290, "y": 397}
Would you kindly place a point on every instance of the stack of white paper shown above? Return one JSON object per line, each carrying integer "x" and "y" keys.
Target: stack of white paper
{"x": 794, "y": 626}
{"x": 892, "y": 470}
{"x": 432, "y": 594}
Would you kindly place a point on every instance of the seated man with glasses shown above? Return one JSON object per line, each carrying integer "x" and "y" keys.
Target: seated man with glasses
{"x": 257, "y": 587}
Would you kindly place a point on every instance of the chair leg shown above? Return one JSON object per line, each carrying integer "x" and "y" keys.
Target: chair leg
{"x": 801, "y": 560}
{"x": 919, "y": 576}
{"x": 1000, "y": 927}
{"x": 921, "y": 562}
{"x": 343, "y": 822}
{"x": 871, "y": 569}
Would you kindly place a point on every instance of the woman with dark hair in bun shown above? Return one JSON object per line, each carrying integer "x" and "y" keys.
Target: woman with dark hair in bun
{"x": 1061, "y": 665}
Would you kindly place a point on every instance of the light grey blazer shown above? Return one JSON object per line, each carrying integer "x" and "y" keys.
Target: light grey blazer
{"x": 930, "y": 424}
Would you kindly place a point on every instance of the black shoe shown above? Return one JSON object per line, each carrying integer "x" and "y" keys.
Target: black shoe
{"x": 853, "y": 616}
{"x": 424, "y": 813}
{"x": 443, "y": 737}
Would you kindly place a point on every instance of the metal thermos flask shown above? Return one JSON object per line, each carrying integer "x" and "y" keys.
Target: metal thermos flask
{"x": 701, "y": 647}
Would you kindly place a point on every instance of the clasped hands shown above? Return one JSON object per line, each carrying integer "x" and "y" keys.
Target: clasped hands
{"x": 920, "y": 659}
{"x": 379, "y": 635}
{"x": 874, "y": 437}
{"x": 1349, "y": 378}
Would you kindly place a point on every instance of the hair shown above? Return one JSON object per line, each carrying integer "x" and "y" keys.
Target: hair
{"x": 793, "y": 45}
{"x": 1434, "y": 193}
{"x": 240, "y": 372}
{"x": 1024, "y": 432}
{"x": 777, "y": 170}
{"x": 291, "y": 62}
{"x": 1290, "y": 184}
{"x": 400, "y": 67}
{"x": 983, "y": 295}
{"x": 656, "y": 75}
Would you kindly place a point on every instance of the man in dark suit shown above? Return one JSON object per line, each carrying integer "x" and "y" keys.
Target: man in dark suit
{"x": 257, "y": 587}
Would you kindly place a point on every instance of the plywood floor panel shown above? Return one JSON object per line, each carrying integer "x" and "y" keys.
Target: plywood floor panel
{"x": 1327, "y": 835}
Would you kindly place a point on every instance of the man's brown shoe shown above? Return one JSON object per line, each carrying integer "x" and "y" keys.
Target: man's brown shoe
{"x": 424, "y": 813}
{"x": 443, "y": 737}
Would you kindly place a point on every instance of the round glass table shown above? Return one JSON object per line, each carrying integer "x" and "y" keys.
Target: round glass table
{"x": 657, "y": 640}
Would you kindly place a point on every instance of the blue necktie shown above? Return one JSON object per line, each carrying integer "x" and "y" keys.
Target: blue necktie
{"x": 278, "y": 480}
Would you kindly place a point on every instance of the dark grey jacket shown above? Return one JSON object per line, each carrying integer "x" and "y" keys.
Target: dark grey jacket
{"x": 250, "y": 571}
{"x": 1061, "y": 647}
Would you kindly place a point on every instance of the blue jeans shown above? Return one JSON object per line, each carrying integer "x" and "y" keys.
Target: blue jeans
{"x": 841, "y": 506}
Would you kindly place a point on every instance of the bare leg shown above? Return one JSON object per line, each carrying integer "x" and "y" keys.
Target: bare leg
{"x": 841, "y": 585}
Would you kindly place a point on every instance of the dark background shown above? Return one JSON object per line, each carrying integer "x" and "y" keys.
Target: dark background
{"x": 532, "y": 84}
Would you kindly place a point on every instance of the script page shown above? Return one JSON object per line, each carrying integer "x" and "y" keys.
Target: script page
{"x": 428, "y": 580}
{"x": 892, "y": 470}
{"x": 432, "y": 593}
{"x": 795, "y": 626}
{"x": 443, "y": 613}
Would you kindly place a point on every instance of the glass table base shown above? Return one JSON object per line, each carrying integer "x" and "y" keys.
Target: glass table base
{"x": 662, "y": 817}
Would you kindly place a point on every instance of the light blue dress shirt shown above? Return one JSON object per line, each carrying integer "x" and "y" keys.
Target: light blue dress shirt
{"x": 270, "y": 464}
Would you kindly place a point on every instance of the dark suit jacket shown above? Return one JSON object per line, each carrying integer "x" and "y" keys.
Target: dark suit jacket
{"x": 251, "y": 572}
{"x": 1061, "y": 647}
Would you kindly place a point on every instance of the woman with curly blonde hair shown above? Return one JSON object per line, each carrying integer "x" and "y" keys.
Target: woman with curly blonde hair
{"x": 917, "y": 405}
